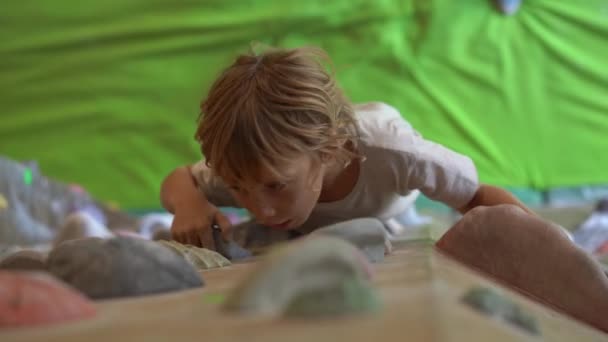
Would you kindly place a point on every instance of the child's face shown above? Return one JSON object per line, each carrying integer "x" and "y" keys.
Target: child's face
{"x": 283, "y": 202}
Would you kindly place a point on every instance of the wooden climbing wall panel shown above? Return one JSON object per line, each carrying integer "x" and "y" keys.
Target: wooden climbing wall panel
{"x": 421, "y": 290}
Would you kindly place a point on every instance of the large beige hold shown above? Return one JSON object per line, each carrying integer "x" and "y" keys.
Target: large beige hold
{"x": 533, "y": 256}
{"x": 319, "y": 276}
{"x": 201, "y": 258}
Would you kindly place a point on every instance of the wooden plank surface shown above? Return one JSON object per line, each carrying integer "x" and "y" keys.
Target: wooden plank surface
{"x": 421, "y": 291}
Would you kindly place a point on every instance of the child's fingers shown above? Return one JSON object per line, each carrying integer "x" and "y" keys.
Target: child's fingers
{"x": 225, "y": 225}
{"x": 177, "y": 235}
{"x": 201, "y": 241}
{"x": 204, "y": 236}
{"x": 194, "y": 232}
{"x": 184, "y": 238}
{"x": 190, "y": 239}
{"x": 195, "y": 238}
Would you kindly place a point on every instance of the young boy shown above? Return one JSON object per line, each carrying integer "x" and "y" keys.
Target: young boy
{"x": 281, "y": 140}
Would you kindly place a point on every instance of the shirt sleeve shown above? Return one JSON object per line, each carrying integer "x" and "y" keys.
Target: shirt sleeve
{"x": 438, "y": 172}
{"x": 212, "y": 186}
{"x": 417, "y": 164}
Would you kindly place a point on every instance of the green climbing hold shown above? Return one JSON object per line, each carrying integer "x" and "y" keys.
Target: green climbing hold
{"x": 491, "y": 303}
{"x": 28, "y": 176}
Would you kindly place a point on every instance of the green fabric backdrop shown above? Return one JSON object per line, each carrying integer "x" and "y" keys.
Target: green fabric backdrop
{"x": 106, "y": 93}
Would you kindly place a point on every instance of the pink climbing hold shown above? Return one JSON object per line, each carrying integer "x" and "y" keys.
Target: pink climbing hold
{"x": 36, "y": 298}
{"x": 128, "y": 233}
{"x": 76, "y": 188}
{"x": 602, "y": 249}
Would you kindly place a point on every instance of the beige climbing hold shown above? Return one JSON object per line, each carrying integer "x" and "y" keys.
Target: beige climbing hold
{"x": 200, "y": 258}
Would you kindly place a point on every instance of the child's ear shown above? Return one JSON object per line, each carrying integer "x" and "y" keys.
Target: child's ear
{"x": 325, "y": 157}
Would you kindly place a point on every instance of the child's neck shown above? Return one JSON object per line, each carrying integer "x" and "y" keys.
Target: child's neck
{"x": 339, "y": 181}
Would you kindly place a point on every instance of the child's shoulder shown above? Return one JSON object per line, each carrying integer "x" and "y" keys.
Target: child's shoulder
{"x": 382, "y": 125}
{"x": 376, "y": 108}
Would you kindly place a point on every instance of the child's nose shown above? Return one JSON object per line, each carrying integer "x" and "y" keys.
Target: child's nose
{"x": 262, "y": 211}
{"x": 268, "y": 211}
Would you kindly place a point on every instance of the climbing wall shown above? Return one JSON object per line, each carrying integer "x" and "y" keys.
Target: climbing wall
{"x": 425, "y": 297}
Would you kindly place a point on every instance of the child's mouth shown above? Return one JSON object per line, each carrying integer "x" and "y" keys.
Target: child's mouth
{"x": 282, "y": 225}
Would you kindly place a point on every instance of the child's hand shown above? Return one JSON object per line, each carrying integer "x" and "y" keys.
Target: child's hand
{"x": 192, "y": 224}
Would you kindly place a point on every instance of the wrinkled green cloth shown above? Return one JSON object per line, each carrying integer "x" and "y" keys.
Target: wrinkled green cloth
{"x": 106, "y": 94}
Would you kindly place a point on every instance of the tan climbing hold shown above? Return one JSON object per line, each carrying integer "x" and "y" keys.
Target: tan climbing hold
{"x": 201, "y": 258}
{"x": 3, "y": 202}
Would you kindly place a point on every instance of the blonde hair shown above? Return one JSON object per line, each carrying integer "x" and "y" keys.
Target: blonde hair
{"x": 266, "y": 108}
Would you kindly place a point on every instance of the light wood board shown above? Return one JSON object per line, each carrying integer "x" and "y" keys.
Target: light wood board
{"x": 421, "y": 293}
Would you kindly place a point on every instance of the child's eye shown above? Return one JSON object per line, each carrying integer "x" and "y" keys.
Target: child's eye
{"x": 276, "y": 186}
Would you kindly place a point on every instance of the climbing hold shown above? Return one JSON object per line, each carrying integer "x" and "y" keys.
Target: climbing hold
{"x": 35, "y": 298}
{"x": 121, "y": 267}
{"x": 200, "y": 258}
{"x": 368, "y": 234}
{"x": 324, "y": 276}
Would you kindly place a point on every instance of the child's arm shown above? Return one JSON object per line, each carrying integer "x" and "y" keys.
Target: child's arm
{"x": 194, "y": 214}
{"x": 488, "y": 195}
{"x": 177, "y": 187}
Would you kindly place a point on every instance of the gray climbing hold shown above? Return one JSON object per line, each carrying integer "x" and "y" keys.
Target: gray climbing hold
{"x": 81, "y": 225}
{"x": 508, "y": 7}
{"x": 201, "y": 258}
{"x": 229, "y": 249}
{"x": 121, "y": 267}
{"x": 495, "y": 305}
{"x": 24, "y": 260}
{"x": 36, "y": 205}
{"x": 324, "y": 276}
{"x": 368, "y": 234}
{"x": 17, "y": 226}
